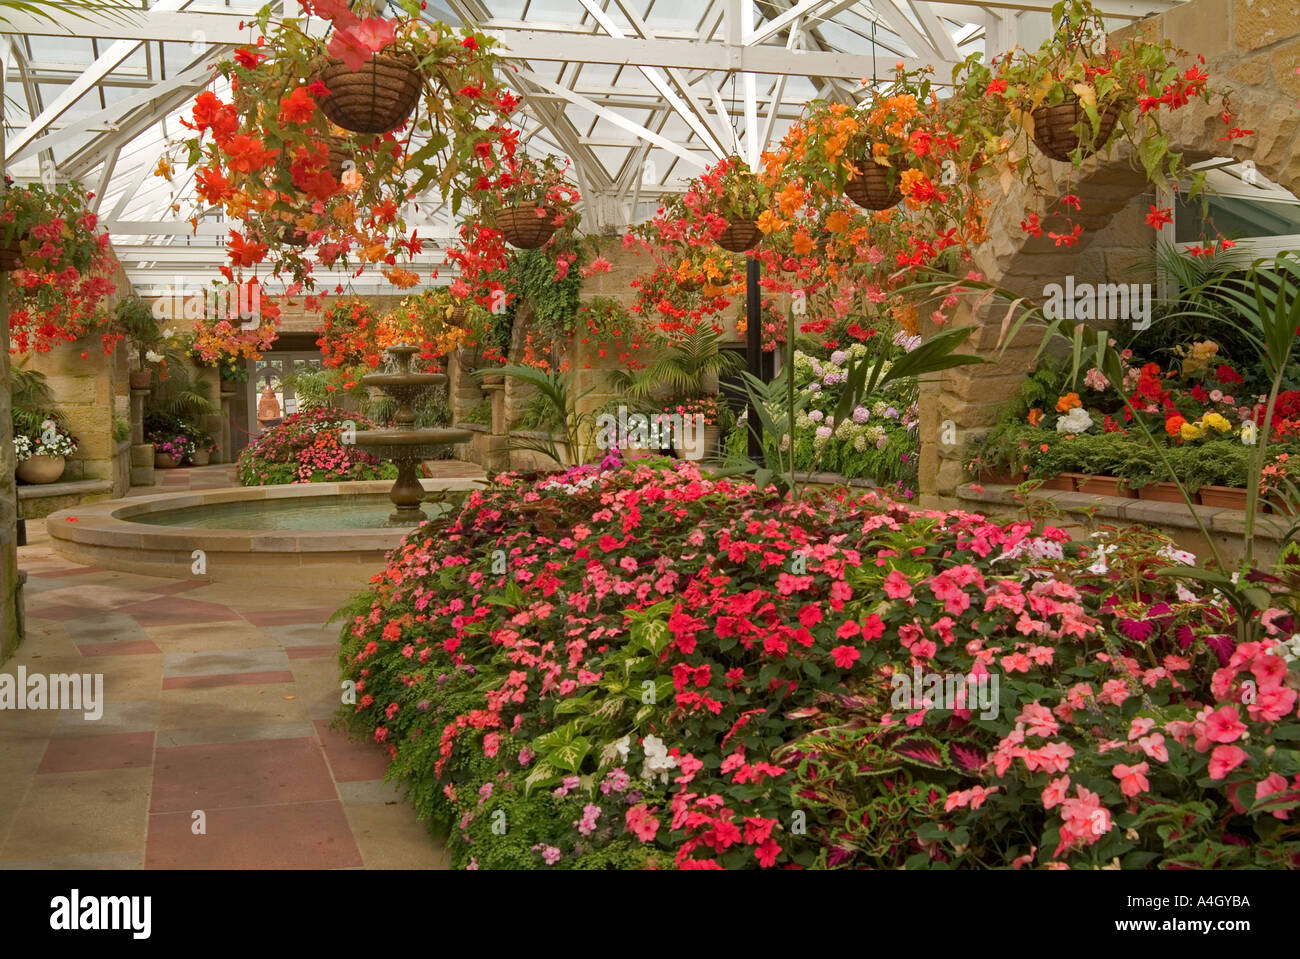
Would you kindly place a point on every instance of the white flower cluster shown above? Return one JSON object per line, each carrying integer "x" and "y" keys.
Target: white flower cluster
{"x": 1290, "y": 650}
{"x": 657, "y": 761}
{"x": 1076, "y": 421}
{"x": 50, "y": 442}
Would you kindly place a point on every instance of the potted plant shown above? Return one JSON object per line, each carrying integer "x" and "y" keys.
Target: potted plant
{"x": 283, "y": 134}
{"x": 62, "y": 267}
{"x": 1147, "y": 476}
{"x": 41, "y": 458}
{"x": 1218, "y": 472}
{"x": 530, "y": 200}
{"x": 170, "y": 450}
{"x": 204, "y": 446}
{"x": 703, "y": 420}
{"x": 864, "y": 151}
{"x": 737, "y": 197}
{"x": 135, "y": 319}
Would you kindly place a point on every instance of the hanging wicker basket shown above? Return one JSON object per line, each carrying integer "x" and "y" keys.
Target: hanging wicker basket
{"x": 458, "y": 316}
{"x": 340, "y": 152}
{"x": 523, "y": 227}
{"x": 740, "y": 236}
{"x": 1056, "y": 133}
{"x": 375, "y": 99}
{"x": 11, "y": 254}
{"x": 870, "y": 189}
{"x": 290, "y": 235}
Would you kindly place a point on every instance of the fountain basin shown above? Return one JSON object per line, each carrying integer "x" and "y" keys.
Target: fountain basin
{"x": 259, "y": 533}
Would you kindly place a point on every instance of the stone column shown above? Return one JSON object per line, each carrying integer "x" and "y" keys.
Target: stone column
{"x": 141, "y": 452}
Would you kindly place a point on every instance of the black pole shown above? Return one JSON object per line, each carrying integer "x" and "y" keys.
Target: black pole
{"x": 753, "y": 350}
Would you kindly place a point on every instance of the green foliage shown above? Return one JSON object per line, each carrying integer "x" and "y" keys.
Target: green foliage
{"x": 555, "y": 390}
{"x": 480, "y": 414}
{"x": 31, "y": 401}
{"x": 681, "y": 369}
{"x": 531, "y": 277}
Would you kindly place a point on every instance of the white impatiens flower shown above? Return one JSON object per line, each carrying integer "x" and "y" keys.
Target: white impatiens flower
{"x": 657, "y": 761}
{"x": 1075, "y": 421}
{"x": 1177, "y": 555}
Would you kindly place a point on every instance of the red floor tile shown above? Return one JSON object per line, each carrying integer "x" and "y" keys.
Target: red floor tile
{"x": 168, "y": 611}
{"x": 256, "y": 773}
{"x": 210, "y": 681}
{"x": 60, "y": 612}
{"x": 182, "y": 586}
{"x": 74, "y": 754}
{"x": 306, "y": 835}
{"x": 128, "y": 647}
{"x": 74, "y": 571}
{"x": 351, "y": 761}
{"x": 312, "y": 652}
{"x": 290, "y": 617}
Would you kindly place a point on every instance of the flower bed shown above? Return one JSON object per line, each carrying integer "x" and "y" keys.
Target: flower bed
{"x": 308, "y": 447}
{"x": 644, "y": 667}
{"x": 1206, "y": 433}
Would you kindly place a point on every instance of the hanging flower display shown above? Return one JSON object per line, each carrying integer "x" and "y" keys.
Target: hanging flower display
{"x": 62, "y": 268}
{"x": 276, "y": 155}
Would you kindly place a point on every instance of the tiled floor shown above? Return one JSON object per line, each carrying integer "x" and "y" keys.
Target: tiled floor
{"x": 214, "y": 749}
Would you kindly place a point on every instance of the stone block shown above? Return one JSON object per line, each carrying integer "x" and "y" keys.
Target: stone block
{"x": 142, "y": 454}
{"x": 1201, "y": 27}
{"x": 1260, "y": 23}
{"x": 142, "y": 475}
{"x": 1251, "y": 71}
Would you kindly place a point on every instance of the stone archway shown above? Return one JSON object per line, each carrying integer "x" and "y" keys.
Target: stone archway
{"x": 1251, "y": 45}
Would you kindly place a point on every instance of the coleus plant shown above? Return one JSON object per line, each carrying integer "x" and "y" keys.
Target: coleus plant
{"x": 270, "y": 158}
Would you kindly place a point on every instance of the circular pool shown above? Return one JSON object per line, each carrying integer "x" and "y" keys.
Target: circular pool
{"x": 330, "y": 531}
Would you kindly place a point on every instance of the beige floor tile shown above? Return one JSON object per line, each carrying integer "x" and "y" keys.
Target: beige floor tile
{"x": 68, "y": 814}
{"x": 231, "y": 706}
{"x": 390, "y": 837}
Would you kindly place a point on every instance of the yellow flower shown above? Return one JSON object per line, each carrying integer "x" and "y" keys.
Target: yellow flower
{"x": 1216, "y": 422}
{"x": 1192, "y": 431}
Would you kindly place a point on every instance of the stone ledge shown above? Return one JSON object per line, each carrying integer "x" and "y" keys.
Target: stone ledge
{"x": 74, "y": 488}
{"x": 1174, "y": 515}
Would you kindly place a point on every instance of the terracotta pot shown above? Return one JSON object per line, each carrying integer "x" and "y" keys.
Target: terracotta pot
{"x": 525, "y": 228}
{"x": 990, "y": 478}
{"x": 1228, "y": 497}
{"x": 1279, "y": 507}
{"x": 1105, "y": 486}
{"x": 375, "y": 99}
{"x": 1066, "y": 482}
{"x": 1054, "y": 129}
{"x": 201, "y": 458}
{"x": 40, "y": 469}
{"x": 165, "y": 461}
{"x": 1163, "y": 492}
{"x": 740, "y": 236}
{"x": 870, "y": 189}
{"x": 140, "y": 379}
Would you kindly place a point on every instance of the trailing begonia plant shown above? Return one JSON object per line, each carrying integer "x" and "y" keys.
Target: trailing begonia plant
{"x": 270, "y": 158}
{"x": 66, "y": 269}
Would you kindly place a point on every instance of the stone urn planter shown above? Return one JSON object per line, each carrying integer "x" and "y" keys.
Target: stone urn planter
{"x": 40, "y": 469}
{"x": 703, "y": 444}
{"x": 201, "y": 458}
{"x": 140, "y": 379}
{"x": 165, "y": 461}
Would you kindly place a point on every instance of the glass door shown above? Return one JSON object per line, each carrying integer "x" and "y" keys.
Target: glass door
{"x": 270, "y": 396}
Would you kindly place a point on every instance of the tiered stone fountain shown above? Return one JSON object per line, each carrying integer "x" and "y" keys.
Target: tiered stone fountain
{"x": 404, "y": 444}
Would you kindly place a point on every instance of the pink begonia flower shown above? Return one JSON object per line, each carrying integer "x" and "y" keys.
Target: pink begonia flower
{"x": 1225, "y": 759}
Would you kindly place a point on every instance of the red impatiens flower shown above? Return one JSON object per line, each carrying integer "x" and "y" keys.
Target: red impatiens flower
{"x": 845, "y": 656}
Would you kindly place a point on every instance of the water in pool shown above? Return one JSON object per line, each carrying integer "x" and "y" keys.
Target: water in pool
{"x": 316, "y": 513}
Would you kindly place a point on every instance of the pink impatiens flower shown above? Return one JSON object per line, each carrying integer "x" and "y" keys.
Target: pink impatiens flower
{"x": 641, "y": 823}
{"x": 897, "y": 585}
{"x": 1225, "y": 759}
{"x": 1132, "y": 779}
{"x": 1224, "y": 725}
